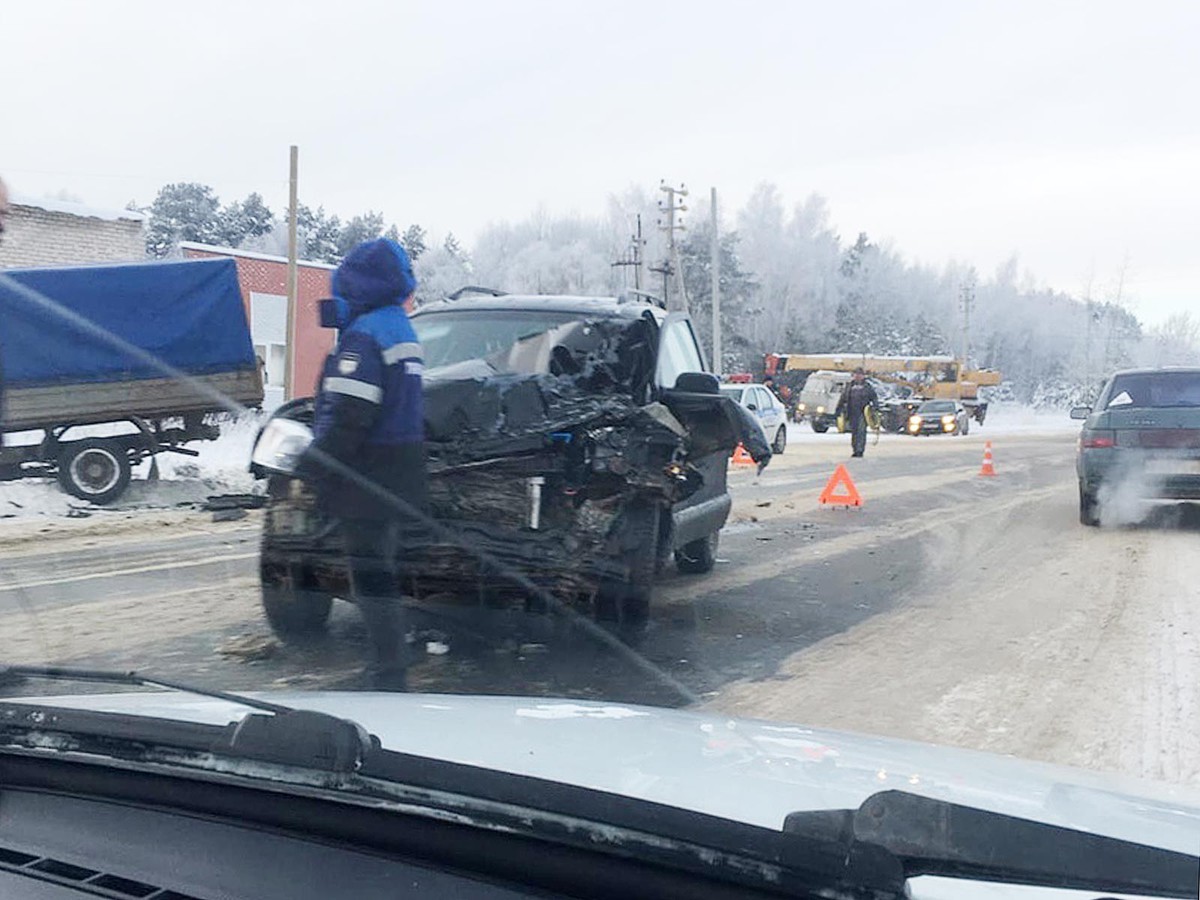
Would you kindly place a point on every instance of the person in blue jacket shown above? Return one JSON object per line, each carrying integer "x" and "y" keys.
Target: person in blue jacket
{"x": 367, "y": 458}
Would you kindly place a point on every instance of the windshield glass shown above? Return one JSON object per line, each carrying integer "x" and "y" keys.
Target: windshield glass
{"x": 453, "y": 337}
{"x": 1155, "y": 390}
{"x": 250, "y": 442}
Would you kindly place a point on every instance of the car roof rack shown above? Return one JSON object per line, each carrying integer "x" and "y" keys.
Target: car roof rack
{"x": 475, "y": 289}
{"x": 632, "y": 295}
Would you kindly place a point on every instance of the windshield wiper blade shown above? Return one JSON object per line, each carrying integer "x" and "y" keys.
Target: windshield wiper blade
{"x": 933, "y": 837}
{"x": 288, "y": 737}
{"x": 113, "y": 676}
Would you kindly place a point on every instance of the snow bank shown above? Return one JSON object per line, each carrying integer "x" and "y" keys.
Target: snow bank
{"x": 1016, "y": 418}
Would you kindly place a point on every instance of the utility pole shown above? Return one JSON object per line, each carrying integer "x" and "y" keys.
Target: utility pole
{"x": 670, "y": 206}
{"x": 967, "y": 300}
{"x": 715, "y": 269}
{"x": 639, "y": 277}
{"x": 633, "y": 257}
{"x": 289, "y": 346}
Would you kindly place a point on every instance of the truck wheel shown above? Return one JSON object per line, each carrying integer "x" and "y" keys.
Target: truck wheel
{"x": 780, "y": 443}
{"x": 698, "y": 557}
{"x": 94, "y": 469}
{"x": 1089, "y": 509}
{"x": 295, "y": 606}
{"x": 820, "y": 427}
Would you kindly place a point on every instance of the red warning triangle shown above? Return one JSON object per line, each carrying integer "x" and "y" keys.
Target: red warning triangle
{"x": 841, "y": 479}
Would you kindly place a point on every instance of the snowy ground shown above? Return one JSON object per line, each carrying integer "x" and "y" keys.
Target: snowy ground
{"x": 221, "y": 468}
{"x": 1083, "y": 646}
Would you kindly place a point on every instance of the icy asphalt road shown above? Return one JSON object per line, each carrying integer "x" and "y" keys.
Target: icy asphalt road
{"x": 949, "y": 608}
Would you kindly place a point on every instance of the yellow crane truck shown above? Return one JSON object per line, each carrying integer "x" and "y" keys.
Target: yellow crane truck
{"x": 919, "y": 377}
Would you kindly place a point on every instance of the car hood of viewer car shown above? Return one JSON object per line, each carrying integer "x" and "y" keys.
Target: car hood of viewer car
{"x": 750, "y": 771}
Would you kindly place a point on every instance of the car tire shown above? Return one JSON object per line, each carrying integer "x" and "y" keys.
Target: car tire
{"x": 295, "y": 606}
{"x": 94, "y": 469}
{"x": 698, "y": 557}
{"x": 819, "y": 427}
{"x": 780, "y": 443}
{"x": 1089, "y": 508}
{"x": 628, "y": 600}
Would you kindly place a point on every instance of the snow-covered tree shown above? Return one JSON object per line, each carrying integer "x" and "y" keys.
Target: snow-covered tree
{"x": 318, "y": 234}
{"x": 185, "y": 211}
{"x": 360, "y": 228}
{"x": 414, "y": 241}
{"x": 244, "y": 219}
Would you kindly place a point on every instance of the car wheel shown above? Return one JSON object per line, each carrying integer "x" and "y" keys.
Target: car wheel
{"x": 94, "y": 469}
{"x": 698, "y": 557}
{"x": 780, "y": 443}
{"x": 1089, "y": 508}
{"x": 819, "y": 427}
{"x": 296, "y": 607}
{"x": 628, "y": 600}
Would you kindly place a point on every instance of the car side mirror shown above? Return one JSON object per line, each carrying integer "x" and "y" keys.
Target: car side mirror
{"x": 1080, "y": 412}
{"x": 753, "y": 407}
{"x": 698, "y": 383}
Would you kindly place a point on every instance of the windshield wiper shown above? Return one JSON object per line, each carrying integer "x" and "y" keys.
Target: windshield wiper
{"x": 933, "y": 837}
{"x": 135, "y": 679}
{"x": 288, "y": 736}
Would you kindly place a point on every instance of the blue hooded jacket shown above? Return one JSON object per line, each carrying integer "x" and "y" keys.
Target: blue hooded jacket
{"x": 369, "y": 412}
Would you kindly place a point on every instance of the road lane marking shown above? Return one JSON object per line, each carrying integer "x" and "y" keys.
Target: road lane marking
{"x": 120, "y": 572}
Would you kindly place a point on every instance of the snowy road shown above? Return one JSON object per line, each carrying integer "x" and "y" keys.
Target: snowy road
{"x": 951, "y": 608}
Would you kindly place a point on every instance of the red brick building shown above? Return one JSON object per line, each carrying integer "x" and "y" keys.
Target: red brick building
{"x": 263, "y": 280}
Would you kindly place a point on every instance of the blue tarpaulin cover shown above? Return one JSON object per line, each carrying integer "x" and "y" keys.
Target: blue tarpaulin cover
{"x": 188, "y": 314}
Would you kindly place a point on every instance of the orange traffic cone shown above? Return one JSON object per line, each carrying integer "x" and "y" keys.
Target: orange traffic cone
{"x": 847, "y": 496}
{"x": 988, "y": 469}
{"x": 741, "y": 457}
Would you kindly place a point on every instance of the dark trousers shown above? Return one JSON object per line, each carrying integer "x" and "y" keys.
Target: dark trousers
{"x": 858, "y": 434}
{"x": 372, "y": 546}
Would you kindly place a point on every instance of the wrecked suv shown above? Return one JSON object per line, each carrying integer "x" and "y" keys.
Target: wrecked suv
{"x": 576, "y": 442}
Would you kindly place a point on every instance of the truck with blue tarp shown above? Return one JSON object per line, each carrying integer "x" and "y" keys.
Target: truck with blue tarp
{"x": 105, "y": 366}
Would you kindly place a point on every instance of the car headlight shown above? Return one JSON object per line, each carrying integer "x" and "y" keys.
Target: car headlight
{"x": 820, "y": 409}
{"x": 801, "y": 407}
{"x": 914, "y": 424}
{"x": 279, "y": 446}
{"x": 947, "y": 420}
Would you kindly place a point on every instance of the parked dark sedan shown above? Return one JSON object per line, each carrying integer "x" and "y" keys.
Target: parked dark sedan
{"x": 1144, "y": 434}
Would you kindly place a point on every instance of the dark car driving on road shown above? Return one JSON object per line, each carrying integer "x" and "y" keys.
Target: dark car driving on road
{"x": 1143, "y": 434}
{"x": 940, "y": 417}
{"x": 576, "y": 441}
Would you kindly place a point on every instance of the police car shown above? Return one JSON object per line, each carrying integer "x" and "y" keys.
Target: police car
{"x": 767, "y": 409}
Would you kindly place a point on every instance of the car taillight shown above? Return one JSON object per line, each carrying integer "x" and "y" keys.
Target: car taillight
{"x": 1096, "y": 439}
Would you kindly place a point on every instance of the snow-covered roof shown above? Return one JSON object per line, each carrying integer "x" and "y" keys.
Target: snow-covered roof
{"x": 248, "y": 254}
{"x": 82, "y": 210}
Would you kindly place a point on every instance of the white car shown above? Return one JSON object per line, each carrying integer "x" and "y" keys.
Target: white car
{"x": 767, "y": 408}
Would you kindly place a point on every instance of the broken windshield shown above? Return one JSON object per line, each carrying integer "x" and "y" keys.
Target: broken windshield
{"x": 505, "y": 338}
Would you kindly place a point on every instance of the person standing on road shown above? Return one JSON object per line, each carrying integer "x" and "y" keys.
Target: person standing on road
{"x": 854, "y": 402}
{"x": 368, "y": 447}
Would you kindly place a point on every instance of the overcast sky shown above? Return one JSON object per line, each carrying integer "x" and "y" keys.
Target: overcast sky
{"x": 1065, "y": 133}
